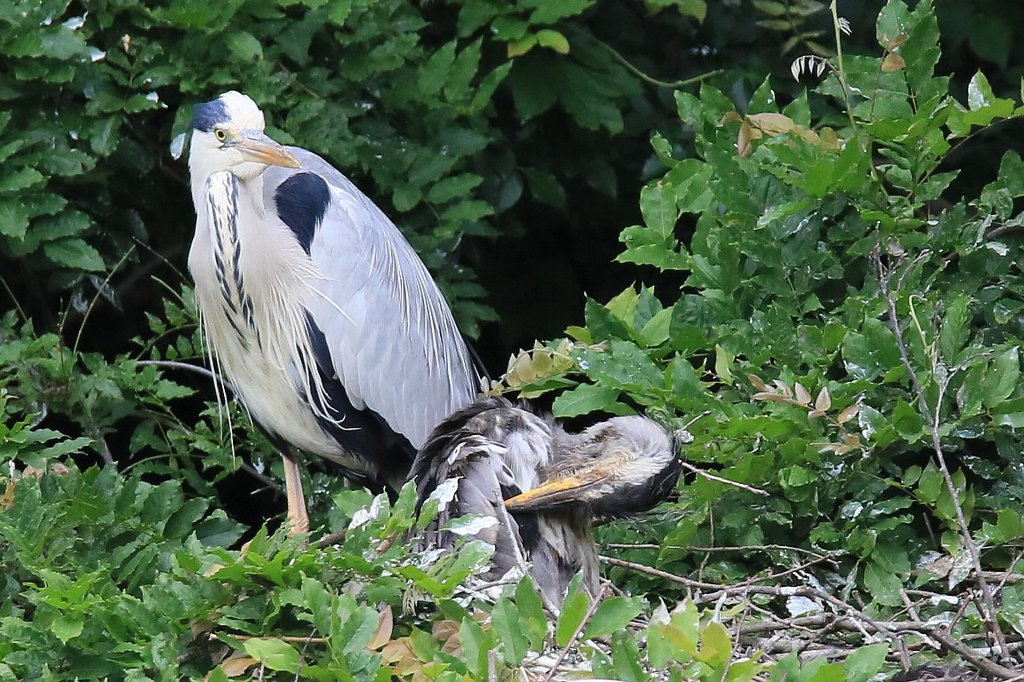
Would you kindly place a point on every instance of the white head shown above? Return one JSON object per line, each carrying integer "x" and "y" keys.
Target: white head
{"x": 227, "y": 135}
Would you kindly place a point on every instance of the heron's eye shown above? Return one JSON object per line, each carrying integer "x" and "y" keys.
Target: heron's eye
{"x": 220, "y": 135}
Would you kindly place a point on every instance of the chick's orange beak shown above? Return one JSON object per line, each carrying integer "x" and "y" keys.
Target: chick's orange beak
{"x": 557, "y": 492}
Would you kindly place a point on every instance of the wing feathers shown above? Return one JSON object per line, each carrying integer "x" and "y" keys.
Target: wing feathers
{"x": 396, "y": 348}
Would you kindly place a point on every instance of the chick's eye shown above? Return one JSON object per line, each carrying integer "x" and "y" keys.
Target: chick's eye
{"x": 220, "y": 135}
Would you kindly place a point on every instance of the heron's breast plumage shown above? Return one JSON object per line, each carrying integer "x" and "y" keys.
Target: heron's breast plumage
{"x": 253, "y": 290}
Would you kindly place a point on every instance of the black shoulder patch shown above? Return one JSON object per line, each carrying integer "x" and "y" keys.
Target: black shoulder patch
{"x": 209, "y": 114}
{"x": 301, "y": 202}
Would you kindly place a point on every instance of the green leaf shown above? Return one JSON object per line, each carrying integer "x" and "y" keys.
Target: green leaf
{"x": 908, "y": 421}
{"x": 550, "y": 12}
{"x": 273, "y": 653}
{"x": 475, "y": 647}
{"x": 531, "y": 610}
{"x": 658, "y": 206}
{"x": 883, "y": 585}
{"x": 506, "y": 622}
{"x": 1002, "y": 377}
{"x": 715, "y": 645}
{"x": 955, "y": 328}
{"x": 244, "y": 45}
{"x": 67, "y": 627}
{"x": 74, "y": 253}
{"x": 866, "y": 662}
{"x": 574, "y": 610}
{"x": 612, "y": 615}
{"x": 553, "y": 40}
{"x": 14, "y": 219}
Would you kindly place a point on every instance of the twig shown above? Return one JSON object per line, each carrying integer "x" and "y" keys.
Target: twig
{"x": 576, "y": 633}
{"x": 801, "y": 591}
{"x": 672, "y": 85}
{"x": 330, "y": 539}
{"x": 711, "y": 550}
{"x": 932, "y": 421}
{"x": 174, "y": 364}
{"x": 284, "y": 638}
{"x": 719, "y": 479}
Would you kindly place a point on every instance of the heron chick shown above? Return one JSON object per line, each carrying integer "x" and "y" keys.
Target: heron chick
{"x": 543, "y": 486}
{"x": 316, "y": 310}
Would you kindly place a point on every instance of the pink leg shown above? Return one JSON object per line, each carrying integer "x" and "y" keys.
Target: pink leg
{"x": 298, "y": 519}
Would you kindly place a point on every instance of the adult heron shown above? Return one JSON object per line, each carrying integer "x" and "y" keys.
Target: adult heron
{"x": 315, "y": 309}
{"x": 542, "y": 486}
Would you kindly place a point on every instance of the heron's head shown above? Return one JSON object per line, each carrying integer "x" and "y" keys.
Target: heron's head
{"x": 620, "y": 466}
{"x": 227, "y": 135}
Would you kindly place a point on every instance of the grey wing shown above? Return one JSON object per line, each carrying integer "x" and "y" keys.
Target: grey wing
{"x": 392, "y": 338}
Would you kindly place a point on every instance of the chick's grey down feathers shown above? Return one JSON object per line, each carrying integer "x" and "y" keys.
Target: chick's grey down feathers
{"x": 498, "y": 451}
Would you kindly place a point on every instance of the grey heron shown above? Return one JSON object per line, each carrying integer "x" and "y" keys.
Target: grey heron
{"x": 542, "y": 486}
{"x": 316, "y": 310}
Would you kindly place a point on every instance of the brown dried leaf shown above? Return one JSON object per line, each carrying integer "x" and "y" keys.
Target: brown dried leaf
{"x": 447, "y": 632}
{"x": 848, "y": 413}
{"x": 782, "y": 388}
{"x": 397, "y": 650}
{"x": 236, "y": 665}
{"x": 815, "y": 414}
{"x": 895, "y": 42}
{"x": 385, "y": 626}
{"x": 772, "y": 124}
{"x": 828, "y": 140}
{"x": 776, "y": 398}
{"x": 743, "y": 140}
{"x": 852, "y": 439}
{"x": 729, "y": 117}
{"x": 757, "y": 382}
{"x": 802, "y": 395}
{"x": 824, "y": 400}
{"x": 893, "y": 62}
{"x": 7, "y": 498}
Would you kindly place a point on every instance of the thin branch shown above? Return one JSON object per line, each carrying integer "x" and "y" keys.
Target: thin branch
{"x": 932, "y": 420}
{"x": 726, "y": 481}
{"x": 576, "y": 633}
{"x": 743, "y": 589}
{"x": 712, "y": 550}
{"x": 174, "y": 364}
{"x": 671, "y": 85}
{"x": 215, "y": 637}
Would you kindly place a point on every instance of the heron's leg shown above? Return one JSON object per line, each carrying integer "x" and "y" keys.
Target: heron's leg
{"x": 298, "y": 519}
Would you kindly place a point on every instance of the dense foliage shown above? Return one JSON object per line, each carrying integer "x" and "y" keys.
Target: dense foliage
{"x": 832, "y": 311}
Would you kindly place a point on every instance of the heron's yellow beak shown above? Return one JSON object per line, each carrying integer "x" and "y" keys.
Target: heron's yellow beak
{"x": 255, "y": 146}
{"x": 556, "y": 492}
